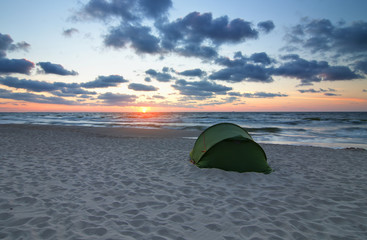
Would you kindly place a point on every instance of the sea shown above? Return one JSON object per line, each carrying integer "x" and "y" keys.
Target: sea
{"x": 325, "y": 129}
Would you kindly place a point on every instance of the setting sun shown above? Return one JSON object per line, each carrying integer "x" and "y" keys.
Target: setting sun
{"x": 144, "y": 109}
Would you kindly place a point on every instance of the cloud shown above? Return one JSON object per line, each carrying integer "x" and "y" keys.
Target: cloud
{"x": 236, "y": 94}
{"x": 141, "y": 87}
{"x": 70, "y": 32}
{"x": 266, "y": 26}
{"x": 313, "y": 71}
{"x": 15, "y": 66}
{"x": 72, "y": 92}
{"x": 52, "y": 68}
{"x": 261, "y": 57}
{"x": 105, "y": 81}
{"x": 195, "y": 35}
{"x": 331, "y": 94}
{"x": 35, "y": 98}
{"x": 161, "y": 77}
{"x": 156, "y": 8}
{"x": 117, "y": 99}
{"x": 364, "y": 90}
{"x": 247, "y": 72}
{"x": 31, "y": 85}
{"x": 192, "y": 73}
{"x": 158, "y": 97}
{"x": 56, "y": 88}
{"x": 196, "y": 28}
{"x": 263, "y": 95}
{"x": 322, "y": 35}
{"x": 139, "y": 38}
{"x": 361, "y": 66}
{"x": 127, "y": 11}
{"x": 192, "y": 50}
{"x": 219, "y": 102}
{"x": 199, "y": 34}
{"x": 240, "y": 60}
{"x": 200, "y": 88}
{"x": 327, "y": 92}
{"x": 311, "y": 90}
{"x": 6, "y": 44}
{"x": 243, "y": 68}
{"x": 131, "y": 15}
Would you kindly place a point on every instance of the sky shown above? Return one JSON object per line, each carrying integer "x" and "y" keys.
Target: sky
{"x": 183, "y": 55}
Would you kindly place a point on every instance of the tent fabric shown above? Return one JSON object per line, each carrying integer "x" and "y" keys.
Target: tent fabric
{"x": 229, "y": 147}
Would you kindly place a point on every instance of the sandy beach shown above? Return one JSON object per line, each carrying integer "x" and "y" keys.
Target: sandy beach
{"x": 114, "y": 183}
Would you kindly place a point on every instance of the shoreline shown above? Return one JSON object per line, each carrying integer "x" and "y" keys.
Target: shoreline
{"x": 87, "y": 183}
{"x": 160, "y": 133}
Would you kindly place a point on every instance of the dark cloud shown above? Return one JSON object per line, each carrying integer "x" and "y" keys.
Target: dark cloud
{"x": 147, "y": 79}
{"x": 52, "y": 68}
{"x": 195, "y": 35}
{"x": 72, "y": 92}
{"x": 199, "y": 34}
{"x": 242, "y": 68}
{"x": 192, "y": 50}
{"x": 15, "y": 66}
{"x": 237, "y": 61}
{"x": 263, "y": 95}
{"x": 333, "y": 73}
{"x": 139, "y": 38}
{"x": 266, "y": 26}
{"x": 322, "y": 35}
{"x": 167, "y": 69}
{"x": 247, "y": 72}
{"x": 101, "y": 9}
{"x": 56, "y": 88}
{"x": 6, "y": 44}
{"x": 361, "y": 66}
{"x": 141, "y": 87}
{"x": 327, "y": 92}
{"x": 290, "y": 57}
{"x": 200, "y": 88}
{"x": 158, "y": 97}
{"x": 105, "y": 81}
{"x": 155, "y": 8}
{"x": 192, "y": 73}
{"x": 116, "y": 99}
{"x": 241, "y": 60}
{"x": 35, "y": 98}
{"x": 313, "y": 71}
{"x": 331, "y": 94}
{"x": 161, "y": 77}
{"x": 262, "y": 58}
{"x": 31, "y": 85}
{"x": 131, "y": 13}
{"x": 196, "y": 28}
{"x": 127, "y": 11}
{"x": 236, "y": 94}
{"x": 311, "y": 90}
{"x": 70, "y": 32}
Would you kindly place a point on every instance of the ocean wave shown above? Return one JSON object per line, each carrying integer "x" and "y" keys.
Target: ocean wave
{"x": 264, "y": 129}
{"x": 328, "y": 128}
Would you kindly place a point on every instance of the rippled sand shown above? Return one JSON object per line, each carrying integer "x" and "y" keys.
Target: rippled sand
{"x": 88, "y": 183}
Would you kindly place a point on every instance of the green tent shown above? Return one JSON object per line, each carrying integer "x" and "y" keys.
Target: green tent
{"x": 229, "y": 147}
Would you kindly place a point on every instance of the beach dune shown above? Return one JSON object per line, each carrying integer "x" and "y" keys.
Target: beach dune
{"x": 114, "y": 183}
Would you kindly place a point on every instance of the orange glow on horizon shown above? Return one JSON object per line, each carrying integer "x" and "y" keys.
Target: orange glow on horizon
{"x": 144, "y": 109}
